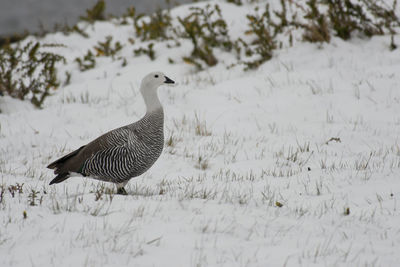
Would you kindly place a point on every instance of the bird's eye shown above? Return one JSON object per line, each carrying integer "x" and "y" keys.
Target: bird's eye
{"x": 156, "y": 76}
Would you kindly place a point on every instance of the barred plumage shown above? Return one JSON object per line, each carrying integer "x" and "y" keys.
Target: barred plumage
{"x": 123, "y": 153}
{"x": 126, "y": 154}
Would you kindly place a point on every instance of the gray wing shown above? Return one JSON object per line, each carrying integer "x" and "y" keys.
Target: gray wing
{"x": 112, "y": 143}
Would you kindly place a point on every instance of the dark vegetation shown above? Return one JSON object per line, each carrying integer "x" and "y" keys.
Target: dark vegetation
{"x": 265, "y": 31}
{"x": 97, "y": 12}
{"x": 87, "y": 62}
{"x": 27, "y": 71}
{"x": 107, "y": 49}
{"x": 156, "y": 29}
{"x": 346, "y": 18}
{"x": 103, "y": 49}
{"x": 149, "y": 51}
{"x": 206, "y": 29}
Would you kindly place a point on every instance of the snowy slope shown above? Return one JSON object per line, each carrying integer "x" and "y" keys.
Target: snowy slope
{"x": 243, "y": 144}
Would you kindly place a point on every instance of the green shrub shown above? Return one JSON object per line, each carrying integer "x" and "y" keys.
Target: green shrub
{"x": 149, "y": 51}
{"x": 13, "y": 38}
{"x": 103, "y": 49}
{"x": 156, "y": 28}
{"x": 79, "y": 31}
{"x": 95, "y": 13}
{"x": 317, "y": 27}
{"x": 207, "y": 29}
{"x": 87, "y": 62}
{"x": 236, "y": 2}
{"x": 261, "y": 27}
{"x": 107, "y": 49}
{"x": 28, "y": 72}
{"x": 345, "y": 17}
{"x": 385, "y": 15}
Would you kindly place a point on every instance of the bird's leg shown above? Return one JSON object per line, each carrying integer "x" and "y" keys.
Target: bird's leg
{"x": 120, "y": 188}
{"x": 121, "y": 191}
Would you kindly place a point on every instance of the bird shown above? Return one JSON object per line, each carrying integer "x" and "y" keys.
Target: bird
{"x": 122, "y": 153}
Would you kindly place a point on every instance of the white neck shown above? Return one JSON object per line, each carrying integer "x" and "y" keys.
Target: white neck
{"x": 150, "y": 99}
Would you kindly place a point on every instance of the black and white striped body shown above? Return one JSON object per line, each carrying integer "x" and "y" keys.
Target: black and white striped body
{"x": 128, "y": 151}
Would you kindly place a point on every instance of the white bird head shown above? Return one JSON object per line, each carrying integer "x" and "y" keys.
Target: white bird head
{"x": 149, "y": 86}
{"x": 155, "y": 79}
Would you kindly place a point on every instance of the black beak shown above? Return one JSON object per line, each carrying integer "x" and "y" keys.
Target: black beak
{"x": 168, "y": 80}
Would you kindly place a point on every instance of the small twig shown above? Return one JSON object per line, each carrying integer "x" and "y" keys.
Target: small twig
{"x": 336, "y": 139}
{"x": 154, "y": 240}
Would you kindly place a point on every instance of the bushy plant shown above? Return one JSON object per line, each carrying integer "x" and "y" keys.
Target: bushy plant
{"x": 207, "y": 29}
{"x": 107, "y": 49}
{"x": 149, "y": 51}
{"x": 103, "y": 49}
{"x": 316, "y": 28}
{"x": 87, "y": 62}
{"x": 236, "y": 2}
{"x": 155, "y": 28}
{"x": 345, "y": 17}
{"x": 13, "y": 38}
{"x": 264, "y": 42}
{"x": 28, "y": 72}
{"x": 95, "y": 13}
{"x": 384, "y": 15}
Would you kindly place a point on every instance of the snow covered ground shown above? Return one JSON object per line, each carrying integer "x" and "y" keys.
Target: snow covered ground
{"x": 294, "y": 164}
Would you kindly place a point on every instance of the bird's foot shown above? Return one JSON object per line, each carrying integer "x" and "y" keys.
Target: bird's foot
{"x": 121, "y": 191}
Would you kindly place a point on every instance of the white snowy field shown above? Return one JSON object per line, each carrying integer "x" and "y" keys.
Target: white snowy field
{"x": 296, "y": 163}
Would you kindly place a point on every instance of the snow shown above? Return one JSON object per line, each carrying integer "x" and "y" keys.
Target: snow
{"x": 213, "y": 199}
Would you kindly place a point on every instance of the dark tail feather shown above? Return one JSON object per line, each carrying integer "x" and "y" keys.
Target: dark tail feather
{"x": 57, "y": 163}
{"x": 60, "y": 178}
